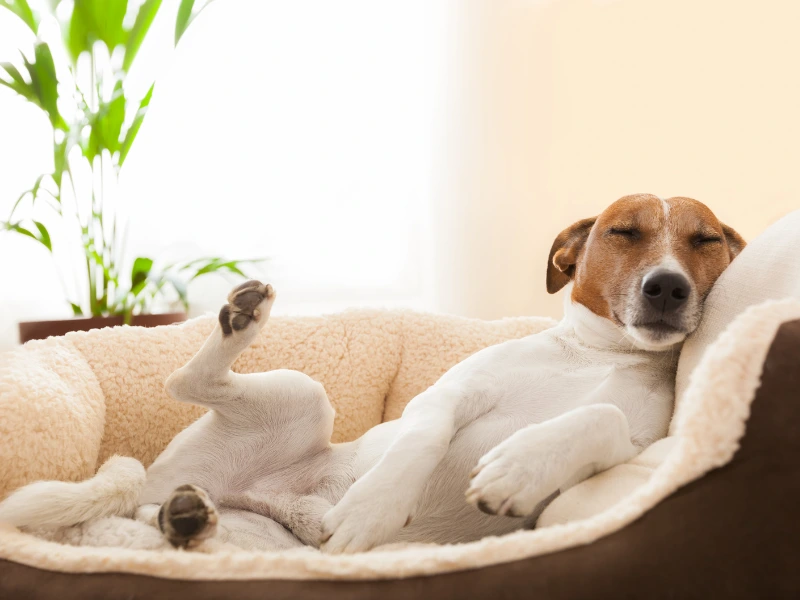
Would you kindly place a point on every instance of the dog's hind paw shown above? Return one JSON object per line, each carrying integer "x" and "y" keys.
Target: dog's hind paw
{"x": 247, "y": 303}
{"x": 188, "y": 517}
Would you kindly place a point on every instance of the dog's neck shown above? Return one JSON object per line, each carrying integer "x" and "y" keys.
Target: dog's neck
{"x": 596, "y": 331}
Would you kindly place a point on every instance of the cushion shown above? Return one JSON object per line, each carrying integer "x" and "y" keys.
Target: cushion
{"x": 767, "y": 269}
{"x": 59, "y": 422}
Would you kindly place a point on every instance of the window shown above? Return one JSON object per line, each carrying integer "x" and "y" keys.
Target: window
{"x": 300, "y": 131}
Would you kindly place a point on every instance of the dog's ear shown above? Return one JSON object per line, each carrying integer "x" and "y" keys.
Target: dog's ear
{"x": 735, "y": 242}
{"x": 564, "y": 254}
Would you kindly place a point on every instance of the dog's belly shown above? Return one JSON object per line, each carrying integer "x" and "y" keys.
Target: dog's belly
{"x": 444, "y": 516}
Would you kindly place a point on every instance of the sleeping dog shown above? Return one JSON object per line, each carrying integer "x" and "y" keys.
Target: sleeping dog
{"x": 511, "y": 426}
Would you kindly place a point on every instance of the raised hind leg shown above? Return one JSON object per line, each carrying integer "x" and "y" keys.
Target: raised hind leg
{"x": 278, "y": 422}
{"x": 207, "y": 379}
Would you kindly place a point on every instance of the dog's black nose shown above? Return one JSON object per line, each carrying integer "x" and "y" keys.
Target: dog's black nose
{"x": 666, "y": 291}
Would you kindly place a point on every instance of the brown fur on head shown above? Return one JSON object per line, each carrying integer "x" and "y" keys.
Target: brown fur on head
{"x": 618, "y": 259}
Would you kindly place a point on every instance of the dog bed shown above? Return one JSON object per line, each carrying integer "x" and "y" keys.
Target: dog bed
{"x": 707, "y": 512}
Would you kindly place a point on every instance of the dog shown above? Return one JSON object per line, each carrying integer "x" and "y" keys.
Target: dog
{"x": 511, "y": 426}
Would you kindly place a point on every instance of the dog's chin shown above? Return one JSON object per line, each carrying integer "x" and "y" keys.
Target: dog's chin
{"x": 655, "y": 337}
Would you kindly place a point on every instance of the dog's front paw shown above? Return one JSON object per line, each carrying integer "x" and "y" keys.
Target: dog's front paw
{"x": 513, "y": 478}
{"x": 248, "y": 303}
{"x": 364, "y": 518}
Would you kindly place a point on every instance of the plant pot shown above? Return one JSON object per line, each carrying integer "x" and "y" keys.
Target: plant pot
{"x": 39, "y": 330}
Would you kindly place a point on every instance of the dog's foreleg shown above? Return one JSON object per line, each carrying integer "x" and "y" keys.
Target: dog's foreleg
{"x": 384, "y": 499}
{"x": 539, "y": 460}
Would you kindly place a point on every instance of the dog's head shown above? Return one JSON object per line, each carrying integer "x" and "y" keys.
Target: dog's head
{"x": 646, "y": 264}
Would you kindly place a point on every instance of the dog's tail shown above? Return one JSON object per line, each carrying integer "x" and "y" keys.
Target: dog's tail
{"x": 114, "y": 490}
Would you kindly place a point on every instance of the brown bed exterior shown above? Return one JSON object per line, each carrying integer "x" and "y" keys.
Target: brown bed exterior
{"x": 735, "y": 533}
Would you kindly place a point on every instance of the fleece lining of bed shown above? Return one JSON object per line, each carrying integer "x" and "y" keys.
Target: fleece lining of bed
{"x": 68, "y": 403}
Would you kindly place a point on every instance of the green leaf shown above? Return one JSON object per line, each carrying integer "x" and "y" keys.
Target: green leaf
{"x": 34, "y": 191}
{"x": 96, "y": 21}
{"x": 37, "y": 184}
{"x": 144, "y": 18}
{"x": 26, "y": 93}
{"x": 208, "y": 268}
{"x": 18, "y": 83}
{"x": 187, "y": 12}
{"x": 76, "y": 310}
{"x": 44, "y": 83}
{"x": 14, "y": 73}
{"x": 47, "y": 81}
{"x": 19, "y": 229}
{"x": 217, "y": 264}
{"x": 231, "y": 266}
{"x": 44, "y": 235}
{"x": 183, "y": 19}
{"x": 102, "y": 303}
{"x": 141, "y": 269}
{"x": 60, "y": 154}
{"x": 115, "y": 117}
{"x": 106, "y": 125}
{"x": 191, "y": 263}
{"x": 130, "y": 135}
{"x": 22, "y": 9}
{"x": 23, "y": 91}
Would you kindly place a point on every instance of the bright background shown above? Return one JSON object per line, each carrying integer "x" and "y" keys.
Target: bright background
{"x": 425, "y": 153}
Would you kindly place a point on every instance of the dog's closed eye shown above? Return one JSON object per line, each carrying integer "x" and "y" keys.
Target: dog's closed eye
{"x": 703, "y": 239}
{"x": 630, "y": 233}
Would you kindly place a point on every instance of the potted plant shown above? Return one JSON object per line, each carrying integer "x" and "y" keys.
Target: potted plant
{"x": 79, "y": 82}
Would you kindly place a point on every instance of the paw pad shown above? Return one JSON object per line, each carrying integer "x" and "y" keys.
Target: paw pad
{"x": 187, "y": 517}
{"x": 242, "y": 308}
